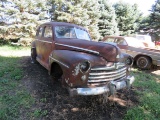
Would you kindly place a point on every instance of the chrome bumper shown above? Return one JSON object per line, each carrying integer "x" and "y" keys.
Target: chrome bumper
{"x": 111, "y": 88}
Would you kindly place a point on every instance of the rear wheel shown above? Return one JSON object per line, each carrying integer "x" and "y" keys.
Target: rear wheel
{"x": 143, "y": 62}
{"x": 33, "y": 55}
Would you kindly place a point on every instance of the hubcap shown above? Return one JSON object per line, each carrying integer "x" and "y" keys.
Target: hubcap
{"x": 142, "y": 62}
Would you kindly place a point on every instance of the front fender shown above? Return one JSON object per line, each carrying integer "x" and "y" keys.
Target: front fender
{"x": 70, "y": 61}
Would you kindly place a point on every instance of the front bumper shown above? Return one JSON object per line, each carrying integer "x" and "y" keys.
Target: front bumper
{"x": 111, "y": 88}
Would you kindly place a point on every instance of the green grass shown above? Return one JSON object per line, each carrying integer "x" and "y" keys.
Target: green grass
{"x": 16, "y": 101}
{"x": 13, "y": 98}
{"x": 148, "y": 89}
{"x": 38, "y": 113}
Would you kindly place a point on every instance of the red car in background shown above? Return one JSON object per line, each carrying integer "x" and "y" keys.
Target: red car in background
{"x": 157, "y": 43}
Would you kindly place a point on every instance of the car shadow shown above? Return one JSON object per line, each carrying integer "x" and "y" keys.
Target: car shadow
{"x": 55, "y": 99}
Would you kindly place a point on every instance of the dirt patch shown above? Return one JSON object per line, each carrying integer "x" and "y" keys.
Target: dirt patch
{"x": 55, "y": 104}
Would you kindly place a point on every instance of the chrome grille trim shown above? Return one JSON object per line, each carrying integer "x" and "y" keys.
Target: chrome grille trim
{"x": 114, "y": 66}
{"x": 106, "y": 80}
{"x": 105, "y": 74}
{"x": 109, "y": 76}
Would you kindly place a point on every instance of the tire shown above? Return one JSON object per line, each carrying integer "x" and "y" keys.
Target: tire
{"x": 143, "y": 62}
{"x": 33, "y": 55}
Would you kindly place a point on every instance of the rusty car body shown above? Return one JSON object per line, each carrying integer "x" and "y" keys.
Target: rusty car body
{"x": 144, "y": 57}
{"x": 84, "y": 66}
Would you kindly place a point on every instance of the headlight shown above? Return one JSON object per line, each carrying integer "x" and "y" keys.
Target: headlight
{"x": 84, "y": 66}
{"x": 129, "y": 61}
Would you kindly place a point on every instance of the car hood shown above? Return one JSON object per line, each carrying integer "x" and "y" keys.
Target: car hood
{"x": 106, "y": 50}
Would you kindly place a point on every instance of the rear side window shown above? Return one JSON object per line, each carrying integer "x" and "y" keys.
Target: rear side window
{"x": 48, "y": 32}
{"x": 39, "y": 32}
{"x": 121, "y": 42}
{"x": 110, "y": 40}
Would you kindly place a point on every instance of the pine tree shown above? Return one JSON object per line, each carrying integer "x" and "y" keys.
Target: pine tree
{"x": 20, "y": 18}
{"x": 145, "y": 23}
{"x": 155, "y": 16}
{"x": 80, "y": 12}
{"x": 107, "y": 23}
{"x": 128, "y": 17}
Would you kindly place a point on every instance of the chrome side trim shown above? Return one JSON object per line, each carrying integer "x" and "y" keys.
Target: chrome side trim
{"x": 59, "y": 62}
{"x": 78, "y": 48}
{"x": 45, "y": 41}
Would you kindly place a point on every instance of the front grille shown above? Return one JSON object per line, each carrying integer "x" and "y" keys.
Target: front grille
{"x": 105, "y": 74}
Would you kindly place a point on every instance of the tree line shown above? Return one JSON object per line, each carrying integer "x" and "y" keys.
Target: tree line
{"x": 19, "y": 18}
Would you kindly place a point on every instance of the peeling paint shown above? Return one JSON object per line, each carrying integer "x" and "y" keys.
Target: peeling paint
{"x": 67, "y": 80}
{"x": 76, "y": 70}
{"x": 83, "y": 77}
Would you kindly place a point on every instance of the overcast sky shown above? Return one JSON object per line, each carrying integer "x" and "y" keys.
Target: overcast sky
{"x": 144, "y": 5}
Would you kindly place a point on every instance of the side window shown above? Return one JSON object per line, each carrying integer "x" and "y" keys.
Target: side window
{"x": 65, "y": 32}
{"x": 110, "y": 40}
{"x": 39, "y": 32}
{"x": 121, "y": 42}
{"x": 48, "y": 32}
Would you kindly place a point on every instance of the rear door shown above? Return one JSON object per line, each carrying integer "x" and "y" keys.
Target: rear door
{"x": 45, "y": 45}
{"x": 39, "y": 38}
{"x": 48, "y": 44}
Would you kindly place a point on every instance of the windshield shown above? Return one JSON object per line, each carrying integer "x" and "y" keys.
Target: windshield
{"x": 134, "y": 42}
{"x": 71, "y": 32}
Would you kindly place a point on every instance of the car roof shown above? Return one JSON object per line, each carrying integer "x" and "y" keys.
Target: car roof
{"x": 115, "y": 37}
{"x": 63, "y": 23}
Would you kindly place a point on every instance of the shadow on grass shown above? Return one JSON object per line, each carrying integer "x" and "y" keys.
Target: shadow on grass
{"x": 53, "y": 101}
{"x": 21, "y": 83}
{"x": 14, "y": 99}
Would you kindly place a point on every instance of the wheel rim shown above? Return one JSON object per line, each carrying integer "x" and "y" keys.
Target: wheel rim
{"x": 142, "y": 62}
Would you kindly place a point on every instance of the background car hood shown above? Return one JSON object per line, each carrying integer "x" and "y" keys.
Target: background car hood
{"x": 106, "y": 50}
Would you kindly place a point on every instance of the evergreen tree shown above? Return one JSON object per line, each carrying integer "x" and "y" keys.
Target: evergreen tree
{"x": 81, "y": 12}
{"x": 155, "y": 16}
{"x": 107, "y": 23}
{"x": 145, "y": 23}
{"x": 20, "y": 18}
{"x": 128, "y": 17}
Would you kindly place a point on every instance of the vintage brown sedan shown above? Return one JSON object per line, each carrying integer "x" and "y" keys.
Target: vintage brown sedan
{"x": 84, "y": 66}
{"x": 144, "y": 57}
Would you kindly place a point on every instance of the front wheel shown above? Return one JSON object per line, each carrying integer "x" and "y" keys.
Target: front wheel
{"x": 33, "y": 55}
{"x": 143, "y": 62}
